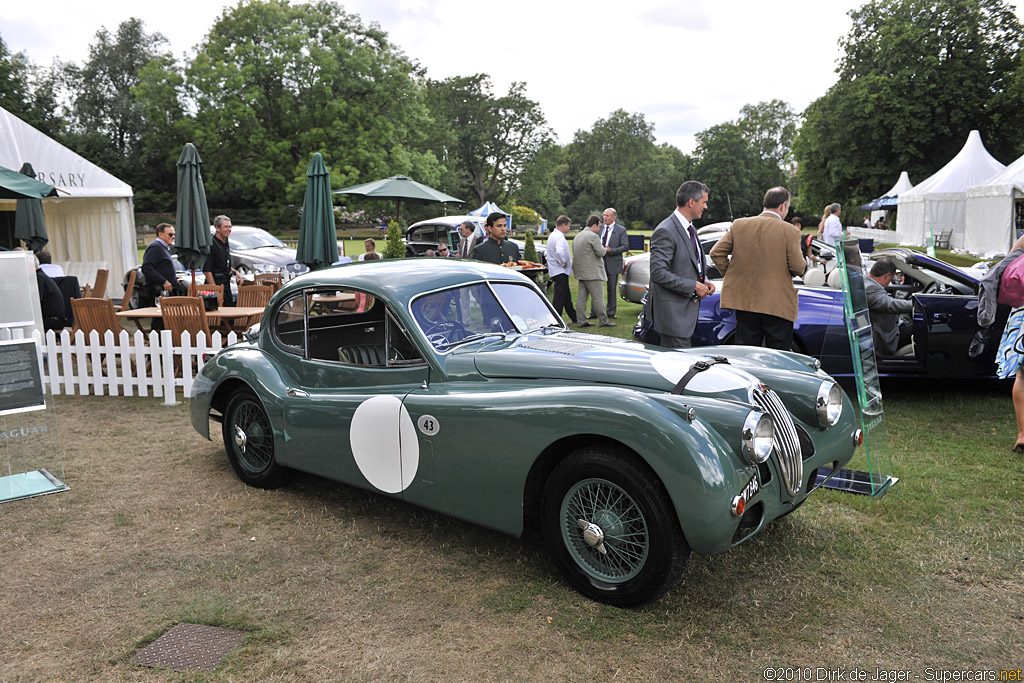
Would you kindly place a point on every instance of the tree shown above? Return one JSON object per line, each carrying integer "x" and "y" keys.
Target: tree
{"x": 488, "y": 141}
{"x": 394, "y": 247}
{"x": 28, "y": 92}
{"x": 736, "y": 176}
{"x": 274, "y": 83}
{"x": 616, "y": 164}
{"x": 769, "y": 128}
{"x": 107, "y": 123}
{"x": 915, "y": 78}
{"x": 539, "y": 181}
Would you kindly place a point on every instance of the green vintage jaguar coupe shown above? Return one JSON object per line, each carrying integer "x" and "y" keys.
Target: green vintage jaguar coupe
{"x": 454, "y": 386}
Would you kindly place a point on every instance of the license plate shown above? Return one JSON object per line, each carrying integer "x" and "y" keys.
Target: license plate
{"x": 751, "y": 488}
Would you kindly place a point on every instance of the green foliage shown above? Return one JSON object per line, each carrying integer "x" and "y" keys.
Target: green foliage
{"x": 487, "y": 141}
{"x": 107, "y": 122}
{"x": 274, "y": 83}
{"x": 736, "y": 176}
{"x": 530, "y": 248}
{"x": 616, "y": 164}
{"x": 538, "y": 183}
{"x": 769, "y": 129}
{"x": 394, "y": 247}
{"x": 915, "y": 79}
{"x": 524, "y": 215}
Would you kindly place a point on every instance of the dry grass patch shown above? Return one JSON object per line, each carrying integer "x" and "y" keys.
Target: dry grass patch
{"x": 340, "y": 584}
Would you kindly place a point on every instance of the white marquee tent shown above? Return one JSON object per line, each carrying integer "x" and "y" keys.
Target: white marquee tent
{"x": 92, "y": 218}
{"x": 940, "y": 202}
{"x": 991, "y": 210}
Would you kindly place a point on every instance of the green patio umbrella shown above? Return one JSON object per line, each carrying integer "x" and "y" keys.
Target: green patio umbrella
{"x": 29, "y": 224}
{"x": 399, "y": 187}
{"x": 14, "y": 185}
{"x": 318, "y": 239}
{"x": 193, "y": 220}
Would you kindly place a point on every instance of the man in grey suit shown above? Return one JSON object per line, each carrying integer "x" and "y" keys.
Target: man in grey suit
{"x": 588, "y": 267}
{"x": 615, "y": 242}
{"x": 677, "y": 269}
{"x": 467, "y": 231}
{"x": 891, "y": 338}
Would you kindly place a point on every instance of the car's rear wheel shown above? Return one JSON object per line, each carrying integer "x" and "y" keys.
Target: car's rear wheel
{"x": 249, "y": 441}
{"x": 611, "y": 528}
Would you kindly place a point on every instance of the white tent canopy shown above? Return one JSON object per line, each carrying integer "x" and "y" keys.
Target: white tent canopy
{"x": 990, "y": 211}
{"x": 940, "y": 202}
{"x": 92, "y": 218}
{"x": 902, "y": 185}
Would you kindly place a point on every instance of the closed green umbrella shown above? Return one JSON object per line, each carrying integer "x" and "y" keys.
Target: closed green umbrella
{"x": 399, "y": 187}
{"x": 318, "y": 239}
{"x": 192, "y": 240}
{"x": 29, "y": 224}
{"x": 14, "y": 185}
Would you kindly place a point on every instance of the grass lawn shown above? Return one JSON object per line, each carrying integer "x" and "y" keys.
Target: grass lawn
{"x": 335, "y": 583}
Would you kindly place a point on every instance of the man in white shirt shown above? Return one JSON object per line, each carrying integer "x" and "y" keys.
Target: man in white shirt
{"x": 833, "y": 228}
{"x": 559, "y": 267}
{"x": 49, "y": 268}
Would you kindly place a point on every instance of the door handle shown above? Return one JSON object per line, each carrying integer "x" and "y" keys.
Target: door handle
{"x": 297, "y": 393}
{"x": 940, "y": 318}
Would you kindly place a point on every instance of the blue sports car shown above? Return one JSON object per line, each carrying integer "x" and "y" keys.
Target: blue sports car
{"x": 943, "y": 323}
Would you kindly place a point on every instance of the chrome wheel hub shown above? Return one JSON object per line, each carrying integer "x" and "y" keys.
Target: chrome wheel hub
{"x": 593, "y": 535}
{"x": 240, "y": 439}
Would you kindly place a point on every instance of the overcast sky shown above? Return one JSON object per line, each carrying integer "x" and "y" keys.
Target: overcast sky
{"x": 686, "y": 65}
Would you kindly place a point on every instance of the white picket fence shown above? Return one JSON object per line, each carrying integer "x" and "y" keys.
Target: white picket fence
{"x": 125, "y": 365}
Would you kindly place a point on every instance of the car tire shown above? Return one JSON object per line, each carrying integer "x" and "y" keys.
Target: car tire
{"x": 630, "y": 517}
{"x": 249, "y": 442}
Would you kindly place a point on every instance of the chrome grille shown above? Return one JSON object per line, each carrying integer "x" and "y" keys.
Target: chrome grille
{"x": 787, "y": 443}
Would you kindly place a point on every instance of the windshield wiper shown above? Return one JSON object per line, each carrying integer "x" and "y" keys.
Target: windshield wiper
{"x": 472, "y": 337}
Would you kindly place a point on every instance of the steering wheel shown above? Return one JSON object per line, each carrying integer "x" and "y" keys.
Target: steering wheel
{"x": 444, "y": 328}
{"x": 936, "y": 287}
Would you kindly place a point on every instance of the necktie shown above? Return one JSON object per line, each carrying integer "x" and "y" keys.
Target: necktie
{"x": 607, "y": 232}
{"x": 697, "y": 251}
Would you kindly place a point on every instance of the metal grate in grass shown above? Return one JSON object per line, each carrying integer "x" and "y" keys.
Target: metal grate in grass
{"x": 190, "y": 647}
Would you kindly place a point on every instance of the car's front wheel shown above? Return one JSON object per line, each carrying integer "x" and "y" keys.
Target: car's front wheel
{"x": 611, "y": 528}
{"x": 249, "y": 441}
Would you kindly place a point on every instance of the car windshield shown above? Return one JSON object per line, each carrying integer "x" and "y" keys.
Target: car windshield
{"x": 253, "y": 240}
{"x": 465, "y": 313}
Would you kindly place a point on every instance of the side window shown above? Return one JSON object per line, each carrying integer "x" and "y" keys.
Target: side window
{"x": 289, "y": 325}
{"x": 401, "y": 350}
{"x": 346, "y": 326}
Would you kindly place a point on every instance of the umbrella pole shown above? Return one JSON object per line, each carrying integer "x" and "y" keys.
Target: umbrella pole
{"x": 398, "y": 205}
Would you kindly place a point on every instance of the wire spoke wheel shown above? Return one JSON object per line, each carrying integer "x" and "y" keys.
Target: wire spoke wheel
{"x": 623, "y": 546}
{"x": 609, "y": 524}
{"x": 252, "y": 437}
{"x": 249, "y": 442}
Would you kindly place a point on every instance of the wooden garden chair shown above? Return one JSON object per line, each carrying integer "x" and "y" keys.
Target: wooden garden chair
{"x": 95, "y": 314}
{"x": 98, "y": 289}
{"x": 219, "y": 289}
{"x": 129, "y": 288}
{"x": 184, "y": 314}
{"x": 252, "y": 295}
{"x": 275, "y": 280}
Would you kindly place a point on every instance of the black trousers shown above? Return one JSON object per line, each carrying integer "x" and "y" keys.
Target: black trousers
{"x": 761, "y": 329}
{"x": 562, "y": 299}
{"x": 611, "y": 301}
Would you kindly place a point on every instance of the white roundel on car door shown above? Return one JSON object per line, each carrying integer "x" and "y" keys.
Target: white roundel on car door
{"x": 384, "y": 443}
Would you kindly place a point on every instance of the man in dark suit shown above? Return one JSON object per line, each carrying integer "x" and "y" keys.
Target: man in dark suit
{"x": 615, "y": 241}
{"x": 158, "y": 268}
{"x": 759, "y": 257}
{"x": 677, "y": 268}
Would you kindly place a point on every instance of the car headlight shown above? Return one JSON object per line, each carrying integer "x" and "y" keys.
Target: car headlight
{"x": 758, "y": 436}
{"x": 829, "y": 403}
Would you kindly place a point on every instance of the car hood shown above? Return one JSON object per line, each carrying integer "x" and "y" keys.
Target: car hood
{"x": 278, "y": 255}
{"x": 590, "y": 358}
